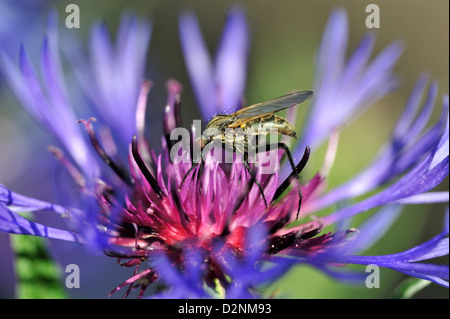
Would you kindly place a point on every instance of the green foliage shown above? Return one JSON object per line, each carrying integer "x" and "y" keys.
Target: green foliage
{"x": 38, "y": 276}
{"x": 409, "y": 287}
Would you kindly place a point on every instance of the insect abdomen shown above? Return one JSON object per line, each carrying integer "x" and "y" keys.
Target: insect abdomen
{"x": 271, "y": 124}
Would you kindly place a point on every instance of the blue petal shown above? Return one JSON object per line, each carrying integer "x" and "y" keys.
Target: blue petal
{"x": 420, "y": 179}
{"x": 433, "y": 278}
{"x": 373, "y": 229}
{"x": 332, "y": 50}
{"x": 9, "y": 198}
{"x": 183, "y": 284}
{"x": 426, "y": 198}
{"x": 113, "y": 76}
{"x": 345, "y": 90}
{"x": 443, "y": 147}
{"x": 231, "y": 62}
{"x": 413, "y": 104}
{"x": 219, "y": 87}
{"x": 414, "y": 183}
{"x": 405, "y": 262}
{"x": 198, "y": 64}
{"x": 16, "y": 224}
{"x": 50, "y": 107}
{"x": 405, "y": 149}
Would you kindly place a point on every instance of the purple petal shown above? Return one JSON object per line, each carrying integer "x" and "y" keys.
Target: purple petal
{"x": 112, "y": 78}
{"x": 62, "y": 117}
{"x": 357, "y": 63}
{"x": 435, "y": 247}
{"x": 423, "y": 117}
{"x": 102, "y": 57}
{"x": 418, "y": 180}
{"x": 9, "y": 198}
{"x": 373, "y": 229}
{"x": 52, "y": 111}
{"x": 172, "y": 110}
{"x": 413, "y": 104}
{"x": 332, "y": 50}
{"x": 132, "y": 45}
{"x": 439, "y": 249}
{"x": 344, "y": 90}
{"x": 16, "y": 224}
{"x": 31, "y": 81}
{"x": 432, "y": 278}
{"x": 28, "y": 92}
{"x": 411, "y": 185}
{"x": 186, "y": 284}
{"x": 443, "y": 147}
{"x": 231, "y": 62}
{"x": 435, "y": 273}
{"x": 397, "y": 156}
{"x": 198, "y": 63}
{"x": 427, "y": 198}
{"x": 404, "y": 262}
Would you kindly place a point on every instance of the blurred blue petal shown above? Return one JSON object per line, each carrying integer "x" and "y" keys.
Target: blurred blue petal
{"x": 401, "y": 152}
{"x": 112, "y": 75}
{"x": 344, "y": 90}
{"x": 423, "y": 177}
{"x": 49, "y": 105}
{"x": 231, "y": 62}
{"x": 198, "y": 64}
{"x": 219, "y": 86}
{"x": 184, "y": 284}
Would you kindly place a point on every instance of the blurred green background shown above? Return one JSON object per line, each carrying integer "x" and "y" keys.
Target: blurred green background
{"x": 285, "y": 37}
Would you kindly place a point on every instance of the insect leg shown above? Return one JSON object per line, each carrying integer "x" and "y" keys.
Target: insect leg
{"x": 287, "y": 181}
{"x": 291, "y": 161}
{"x": 249, "y": 171}
{"x": 194, "y": 164}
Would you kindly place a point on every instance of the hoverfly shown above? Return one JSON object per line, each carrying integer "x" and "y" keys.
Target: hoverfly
{"x": 254, "y": 118}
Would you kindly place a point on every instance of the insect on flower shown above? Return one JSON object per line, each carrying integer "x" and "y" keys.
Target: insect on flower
{"x": 257, "y": 120}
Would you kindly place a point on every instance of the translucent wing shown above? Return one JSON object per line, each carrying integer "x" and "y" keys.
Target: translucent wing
{"x": 274, "y": 105}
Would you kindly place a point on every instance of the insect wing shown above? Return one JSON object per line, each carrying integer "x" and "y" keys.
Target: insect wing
{"x": 274, "y": 105}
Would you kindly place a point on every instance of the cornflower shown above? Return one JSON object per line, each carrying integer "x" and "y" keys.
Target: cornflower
{"x": 215, "y": 235}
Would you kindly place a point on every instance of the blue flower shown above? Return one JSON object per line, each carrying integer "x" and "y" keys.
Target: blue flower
{"x": 214, "y": 235}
